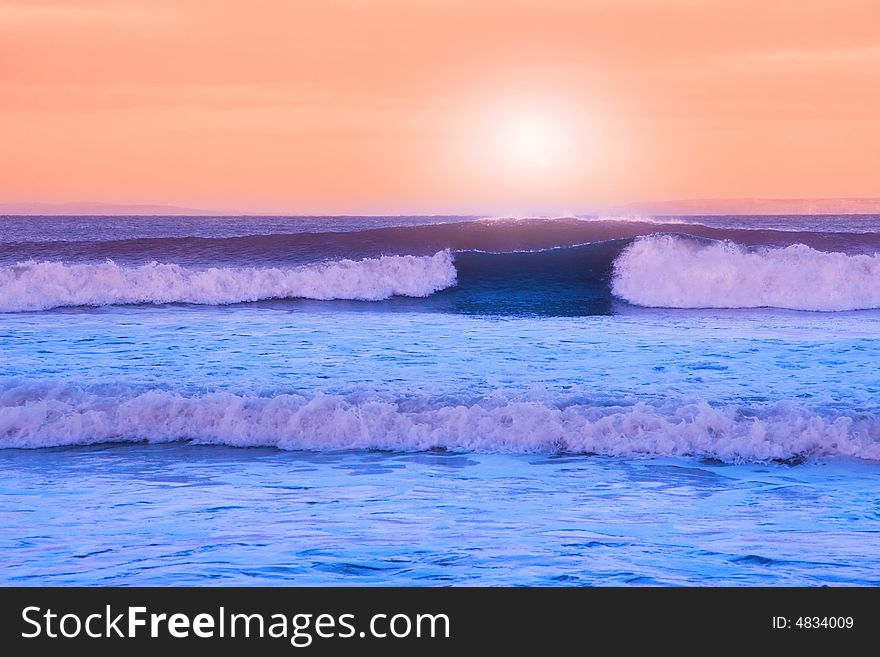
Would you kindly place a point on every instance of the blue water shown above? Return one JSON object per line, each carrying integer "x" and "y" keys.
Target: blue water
{"x": 523, "y": 426}
{"x": 176, "y": 514}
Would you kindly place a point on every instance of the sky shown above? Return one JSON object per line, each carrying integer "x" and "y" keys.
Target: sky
{"x": 442, "y": 106}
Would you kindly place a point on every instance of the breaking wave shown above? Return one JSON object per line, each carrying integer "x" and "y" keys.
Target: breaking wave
{"x": 668, "y": 270}
{"x": 676, "y": 272}
{"x": 42, "y": 415}
{"x": 43, "y": 285}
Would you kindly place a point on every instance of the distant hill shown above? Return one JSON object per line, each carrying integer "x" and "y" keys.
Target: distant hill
{"x": 755, "y": 206}
{"x": 99, "y": 209}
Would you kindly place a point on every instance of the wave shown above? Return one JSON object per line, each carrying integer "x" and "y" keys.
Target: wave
{"x": 669, "y": 270}
{"x": 495, "y": 236}
{"x": 41, "y": 415}
{"x": 43, "y": 285}
{"x": 674, "y": 272}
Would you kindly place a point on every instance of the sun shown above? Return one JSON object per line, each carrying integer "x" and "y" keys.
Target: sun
{"x": 525, "y": 151}
{"x": 530, "y": 139}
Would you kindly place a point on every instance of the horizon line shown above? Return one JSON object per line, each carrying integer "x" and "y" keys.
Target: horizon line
{"x": 722, "y": 205}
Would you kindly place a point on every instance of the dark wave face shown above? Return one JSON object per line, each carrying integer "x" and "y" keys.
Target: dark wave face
{"x": 565, "y": 282}
{"x": 564, "y": 267}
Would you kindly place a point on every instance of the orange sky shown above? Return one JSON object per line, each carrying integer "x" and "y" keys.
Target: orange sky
{"x": 336, "y": 106}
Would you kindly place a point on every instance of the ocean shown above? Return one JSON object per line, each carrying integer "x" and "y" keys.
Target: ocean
{"x": 440, "y": 400}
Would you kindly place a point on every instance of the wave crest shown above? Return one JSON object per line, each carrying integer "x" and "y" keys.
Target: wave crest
{"x": 43, "y": 285}
{"x": 42, "y": 415}
{"x": 676, "y": 272}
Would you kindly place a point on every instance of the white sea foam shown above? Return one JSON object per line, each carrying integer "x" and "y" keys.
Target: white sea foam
{"x": 42, "y": 415}
{"x": 42, "y": 285}
{"x": 675, "y": 272}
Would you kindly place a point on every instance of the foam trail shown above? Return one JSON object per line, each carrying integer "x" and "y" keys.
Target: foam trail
{"x": 675, "y": 272}
{"x": 42, "y": 285}
{"x": 40, "y": 415}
